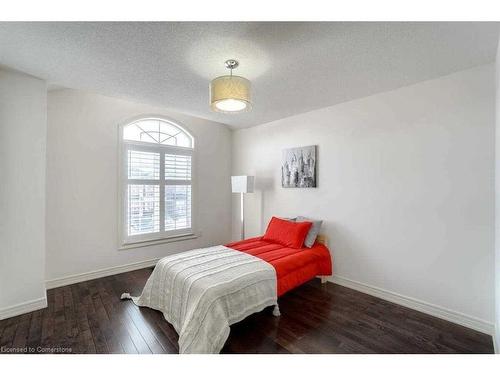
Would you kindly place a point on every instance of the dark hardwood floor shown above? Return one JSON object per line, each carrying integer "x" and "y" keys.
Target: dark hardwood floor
{"x": 89, "y": 317}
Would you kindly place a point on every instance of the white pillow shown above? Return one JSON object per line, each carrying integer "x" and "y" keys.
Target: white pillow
{"x": 313, "y": 232}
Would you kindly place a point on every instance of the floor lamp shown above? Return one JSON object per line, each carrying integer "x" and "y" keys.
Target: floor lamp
{"x": 242, "y": 185}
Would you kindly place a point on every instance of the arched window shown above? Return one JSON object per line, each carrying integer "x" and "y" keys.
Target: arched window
{"x": 156, "y": 179}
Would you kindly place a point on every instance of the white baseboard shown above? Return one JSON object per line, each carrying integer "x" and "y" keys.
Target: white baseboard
{"x": 415, "y": 304}
{"x": 73, "y": 279}
{"x": 23, "y": 308}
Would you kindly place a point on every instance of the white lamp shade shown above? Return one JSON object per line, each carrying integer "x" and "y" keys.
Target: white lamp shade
{"x": 242, "y": 184}
{"x": 230, "y": 94}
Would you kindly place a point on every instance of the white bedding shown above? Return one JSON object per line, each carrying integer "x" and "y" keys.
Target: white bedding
{"x": 202, "y": 292}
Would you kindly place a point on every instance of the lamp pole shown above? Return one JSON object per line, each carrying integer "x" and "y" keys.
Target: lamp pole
{"x": 242, "y": 216}
{"x": 242, "y": 185}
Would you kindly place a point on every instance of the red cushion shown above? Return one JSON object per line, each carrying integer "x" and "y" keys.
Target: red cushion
{"x": 287, "y": 233}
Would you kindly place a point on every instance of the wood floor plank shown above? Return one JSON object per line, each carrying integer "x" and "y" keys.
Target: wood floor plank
{"x": 22, "y": 332}
{"x": 169, "y": 343}
{"x": 120, "y": 330}
{"x": 144, "y": 328}
{"x": 105, "y": 326}
{"x": 101, "y": 345}
{"x": 115, "y": 320}
{"x": 35, "y": 330}
{"x": 9, "y": 333}
{"x": 85, "y": 340}
{"x": 89, "y": 317}
{"x": 136, "y": 337}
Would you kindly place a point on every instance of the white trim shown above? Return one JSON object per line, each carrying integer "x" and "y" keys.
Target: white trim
{"x": 179, "y": 237}
{"x": 496, "y": 337}
{"x": 73, "y": 279}
{"x": 23, "y": 308}
{"x": 125, "y": 241}
{"x": 415, "y": 304}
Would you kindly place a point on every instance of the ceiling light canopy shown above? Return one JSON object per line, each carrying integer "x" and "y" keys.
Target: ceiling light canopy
{"x": 230, "y": 94}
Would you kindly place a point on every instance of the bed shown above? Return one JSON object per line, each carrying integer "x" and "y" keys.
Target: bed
{"x": 202, "y": 292}
{"x": 293, "y": 266}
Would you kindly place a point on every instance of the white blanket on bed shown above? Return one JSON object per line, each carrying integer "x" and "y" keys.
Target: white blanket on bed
{"x": 202, "y": 292}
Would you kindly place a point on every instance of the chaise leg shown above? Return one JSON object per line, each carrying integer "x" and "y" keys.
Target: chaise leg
{"x": 276, "y": 310}
{"x": 324, "y": 279}
{"x": 125, "y": 296}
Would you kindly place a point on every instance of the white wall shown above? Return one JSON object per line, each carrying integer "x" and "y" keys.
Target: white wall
{"x": 23, "y": 110}
{"x": 406, "y": 187}
{"x": 497, "y": 204}
{"x": 82, "y": 187}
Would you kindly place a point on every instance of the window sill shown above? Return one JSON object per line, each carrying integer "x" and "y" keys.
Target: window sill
{"x": 182, "y": 237}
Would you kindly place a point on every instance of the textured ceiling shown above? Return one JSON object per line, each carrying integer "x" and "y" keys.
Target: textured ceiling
{"x": 294, "y": 67}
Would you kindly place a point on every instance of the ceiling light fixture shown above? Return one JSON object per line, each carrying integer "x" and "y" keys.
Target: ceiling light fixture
{"x": 230, "y": 94}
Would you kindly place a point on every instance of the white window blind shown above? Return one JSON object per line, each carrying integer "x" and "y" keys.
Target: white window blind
{"x": 143, "y": 165}
{"x": 143, "y": 209}
{"x": 178, "y": 207}
{"x": 157, "y": 186}
{"x": 177, "y": 167}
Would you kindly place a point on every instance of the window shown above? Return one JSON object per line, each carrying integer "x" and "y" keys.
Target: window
{"x": 156, "y": 179}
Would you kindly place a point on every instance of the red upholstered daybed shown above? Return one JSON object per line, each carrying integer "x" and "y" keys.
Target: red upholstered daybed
{"x": 203, "y": 291}
{"x": 293, "y": 266}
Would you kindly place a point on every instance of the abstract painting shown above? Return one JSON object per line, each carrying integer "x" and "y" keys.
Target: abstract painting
{"x": 298, "y": 167}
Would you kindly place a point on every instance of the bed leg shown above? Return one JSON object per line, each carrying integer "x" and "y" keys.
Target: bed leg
{"x": 125, "y": 296}
{"x": 276, "y": 310}
{"x": 324, "y": 279}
